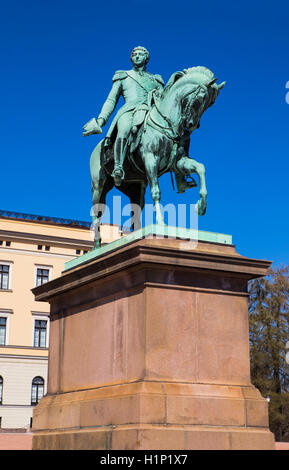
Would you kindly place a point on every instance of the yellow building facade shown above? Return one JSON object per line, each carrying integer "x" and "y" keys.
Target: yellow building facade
{"x": 33, "y": 250}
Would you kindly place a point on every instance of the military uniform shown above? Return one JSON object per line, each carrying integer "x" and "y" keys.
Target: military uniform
{"x": 137, "y": 89}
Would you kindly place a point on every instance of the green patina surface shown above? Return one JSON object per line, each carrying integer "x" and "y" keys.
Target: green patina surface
{"x": 149, "y": 135}
{"x": 145, "y": 232}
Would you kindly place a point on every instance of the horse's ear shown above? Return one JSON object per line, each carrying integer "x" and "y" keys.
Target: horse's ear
{"x": 174, "y": 78}
{"x": 221, "y": 85}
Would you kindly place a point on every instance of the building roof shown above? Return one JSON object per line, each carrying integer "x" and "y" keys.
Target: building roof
{"x": 44, "y": 219}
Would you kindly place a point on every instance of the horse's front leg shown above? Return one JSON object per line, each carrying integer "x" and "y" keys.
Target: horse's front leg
{"x": 202, "y": 202}
{"x": 151, "y": 162}
{"x": 188, "y": 166}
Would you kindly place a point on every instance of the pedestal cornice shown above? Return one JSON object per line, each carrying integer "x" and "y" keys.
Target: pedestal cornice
{"x": 157, "y": 254}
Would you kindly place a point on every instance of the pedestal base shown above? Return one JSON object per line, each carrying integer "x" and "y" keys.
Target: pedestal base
{"x": 152, "y": 415}
{"x": 150, "y": 437}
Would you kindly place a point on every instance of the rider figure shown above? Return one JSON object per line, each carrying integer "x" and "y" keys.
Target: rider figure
{"x": 137, "y": 87}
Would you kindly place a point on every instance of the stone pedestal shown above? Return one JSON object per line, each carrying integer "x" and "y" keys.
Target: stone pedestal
{"x": 149, "y": 349}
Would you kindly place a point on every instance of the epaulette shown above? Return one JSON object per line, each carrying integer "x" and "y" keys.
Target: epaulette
{"x": 119, "y": 75}
{"x": 159, "y": 79}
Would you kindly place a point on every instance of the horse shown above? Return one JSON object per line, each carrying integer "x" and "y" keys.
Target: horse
{"x": 159, "y": 146}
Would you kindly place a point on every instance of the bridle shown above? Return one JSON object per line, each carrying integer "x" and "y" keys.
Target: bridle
{"x": 171, "y": 127}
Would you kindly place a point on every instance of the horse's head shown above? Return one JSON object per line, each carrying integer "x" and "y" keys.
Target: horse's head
{"x": 197, "y": 90}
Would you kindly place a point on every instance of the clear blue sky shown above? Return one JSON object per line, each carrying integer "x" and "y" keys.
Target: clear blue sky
{"x": 57, "y": 61}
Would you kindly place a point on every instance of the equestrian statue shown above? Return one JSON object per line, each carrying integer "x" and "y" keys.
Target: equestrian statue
{"x": 150, "y": 134}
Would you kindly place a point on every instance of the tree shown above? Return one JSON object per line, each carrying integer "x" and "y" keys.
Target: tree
{"x": 269, "y": 335}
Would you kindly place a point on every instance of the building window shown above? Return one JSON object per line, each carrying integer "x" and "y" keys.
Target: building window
{"x": 4, "y": 276}
{"x": 40, "y": 330}
{"x": 40, "y": 333}
{"x": 39, "y": 247}
{"x": 8, "y": 243}
{"x": 37, "y": 390}
{"x": 42, "y": 276}
{"x": 1, "y": 389}
{"x": 77, "y": 252}
{"x": 3, "y": 328}
{"x": 47, "y": 248}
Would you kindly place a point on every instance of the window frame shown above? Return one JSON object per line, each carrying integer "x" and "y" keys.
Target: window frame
{"x": 6, "y": 314}
{"x": 1, "y": 389}
{"x": 9, "y": 264}
{"x": 47, "y": 268}
{"x": 42, "y": 317}
{"x": 34, "y": 403}
{"x": 39, "y": 329}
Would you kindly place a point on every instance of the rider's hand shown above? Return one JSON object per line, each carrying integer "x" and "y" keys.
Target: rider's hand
{"x": 92, "y": 127}
{"x": 100, "y": 121}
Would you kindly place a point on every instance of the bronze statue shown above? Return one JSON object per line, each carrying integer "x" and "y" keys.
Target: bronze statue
{"x": 150, "y": 134}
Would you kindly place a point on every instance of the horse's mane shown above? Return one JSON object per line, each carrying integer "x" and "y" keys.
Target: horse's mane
{"x": 196, "y": 75}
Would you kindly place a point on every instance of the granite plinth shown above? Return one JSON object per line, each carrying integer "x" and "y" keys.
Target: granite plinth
{"x": 149, "y": 349}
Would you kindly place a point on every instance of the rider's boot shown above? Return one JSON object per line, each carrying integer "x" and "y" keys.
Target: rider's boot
{"x": 183, "y": 183}
{"x": 118, "y": 173}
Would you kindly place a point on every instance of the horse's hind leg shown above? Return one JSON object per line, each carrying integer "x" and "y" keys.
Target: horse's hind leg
{"x": 98, "y": 199}
{"x": 96, "y": 213}
{"x": 140, "y": 202}
{"x": 100, "y": 187}
{"x": 136, "y": 194}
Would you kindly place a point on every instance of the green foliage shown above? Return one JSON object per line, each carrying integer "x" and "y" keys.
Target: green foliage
{"x": 269, "y": 334}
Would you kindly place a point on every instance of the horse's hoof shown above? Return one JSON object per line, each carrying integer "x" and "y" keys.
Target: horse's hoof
{"x": 97, "y": 244}
{"x": 201, "y": 211}
{"x": 201, "y": 208}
